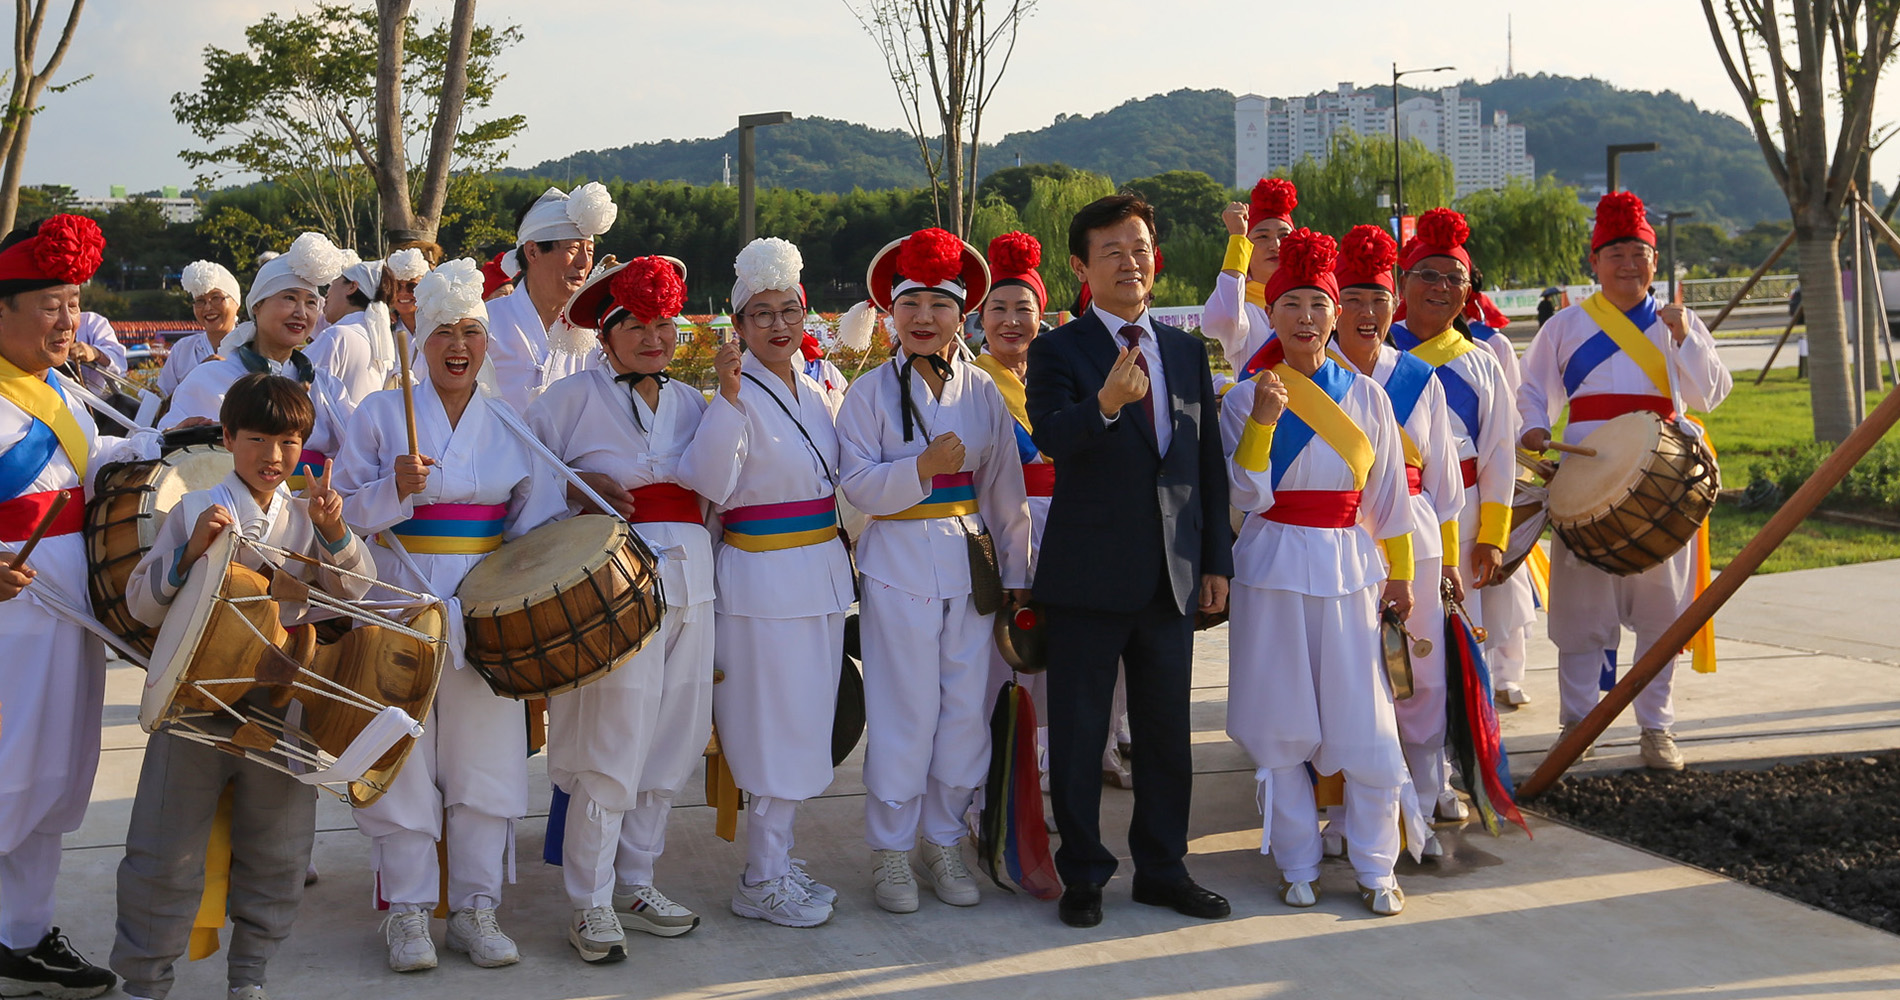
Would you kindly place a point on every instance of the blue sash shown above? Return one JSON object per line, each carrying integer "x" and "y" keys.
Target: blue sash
{"x": 1292, "y": 435}
{"x": 1403, "y": 338}
{"x": 1602, "y": 347}
{"x": 1481, "y": 332}
{"x": 1459, "y": 395}
{"x": 29, "y": 456}
{"x": 1025, "y": 448}
{"x": 1406, "y": 385}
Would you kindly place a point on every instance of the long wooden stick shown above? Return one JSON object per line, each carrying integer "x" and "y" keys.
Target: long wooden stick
{"x": 1677, "y": 635}
{"x": 408, "y": 393}
{"x": 1786, "y": 332}
{"x": 1880, "y": 228}
{"x": 1571, "y": 449}
{"x": 33, "y": 541}
{"x": 1742, "y": 293}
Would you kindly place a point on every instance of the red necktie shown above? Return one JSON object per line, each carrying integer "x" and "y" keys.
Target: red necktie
{"x": 1131, "y": 335}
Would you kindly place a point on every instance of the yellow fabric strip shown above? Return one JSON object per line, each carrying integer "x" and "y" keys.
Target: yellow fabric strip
{"x": 1448, "y": 535}
{"x": 1255, "y": 452}
{"x": 925, "y": 511}
{"x": 1015, "y": 397}
{"x": 1257, "y": 295}
{"x": 1632, "y": 341}
{"x": 1702, "y": 645}
{"x": 1494, "y": 524}
{"x": 1310, "y": 403}
{"x": 1443, "y": 348}
{"x": 722, "y": 791}
{"x": 217, "y": 887}
{"x": 773, "y": 543}
{"x": 42, "y": 402}
{"x": 440, "y": 545}
{"x": 1239, "y": 254}
{"x": 1398, "y": 555}
{"x": 1537, "y": 564}
{"x": 1412, "y": 456}
{"x": 1329, "y": 790}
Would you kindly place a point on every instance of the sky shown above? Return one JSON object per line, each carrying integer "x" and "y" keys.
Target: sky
{"x": 605, "y": 73}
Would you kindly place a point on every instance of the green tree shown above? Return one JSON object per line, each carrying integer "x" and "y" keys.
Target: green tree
{"x": 1527, "y": 234}
{"x": 1052, "y": 204}
{"x": 295, "y": 103}
{"x": 1011, "y": 184}
{"x": 1182, "y": 200}
{"x": 993, "y": 218}
{"x": 27, "y": 84}
{"x": 42, "y": 200}
{"x": 1343, "y": 192}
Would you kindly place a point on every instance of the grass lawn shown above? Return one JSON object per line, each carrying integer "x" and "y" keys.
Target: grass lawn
{"x": 1813, "y": 544}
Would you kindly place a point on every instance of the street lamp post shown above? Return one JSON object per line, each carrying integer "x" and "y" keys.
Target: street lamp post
{"x": 748, "y": 202}
{"x": 1398, "y": 168}
{"x": 1669, "y": 225}
{"x": 1619, "y": 149}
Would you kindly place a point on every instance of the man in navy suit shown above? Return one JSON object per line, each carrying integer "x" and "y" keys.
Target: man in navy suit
{"x": 1137, "y": 540}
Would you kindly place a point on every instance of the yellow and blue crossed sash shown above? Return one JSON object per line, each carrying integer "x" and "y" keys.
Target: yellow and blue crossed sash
{"x": 54, "y": 426}
{"x": 1619, "y": 331}
{"x": 1312, "y": 409}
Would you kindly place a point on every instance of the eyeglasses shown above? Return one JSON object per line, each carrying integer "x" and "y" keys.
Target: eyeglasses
{"x": 764, "y": 318}
{"x": 1450, "y": 279}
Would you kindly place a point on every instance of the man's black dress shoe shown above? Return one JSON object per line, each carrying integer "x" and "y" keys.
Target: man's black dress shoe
{"x": 1081, "y": 905}
{"x": 1185, "y": 897}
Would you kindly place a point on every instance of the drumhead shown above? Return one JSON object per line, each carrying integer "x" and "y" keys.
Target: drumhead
{"x": 187, "y": 470}
{"x": 182, "y": 633}
{"x": 1587, "y": 487}
{"x": 554, "y": 557}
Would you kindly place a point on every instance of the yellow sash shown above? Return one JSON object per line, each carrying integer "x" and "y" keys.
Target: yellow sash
{"x": 1015, "y": 397}
{"x": 1310, "y": 403}
{"x": 42, "y": 402}
{"x": 1632, "y": 341}
{"x": 1702, "y": 645}
{"x": 1413, "y": 457}
{"x": 1443, "y": 348}
{"x": 214, "y": 897}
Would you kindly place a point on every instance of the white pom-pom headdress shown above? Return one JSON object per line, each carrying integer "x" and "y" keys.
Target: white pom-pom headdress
{"x": 407, "y": 264}
{"x": 769, "y": 264}
{"x": 310, "y": 263}
{"x": 201, "y": 276}
{"x": 585, "y": 214}
{"x": 449, "y": 294}
{"x": 856, "y": 326}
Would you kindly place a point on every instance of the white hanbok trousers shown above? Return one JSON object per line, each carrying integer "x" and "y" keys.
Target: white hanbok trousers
{"x": 1588, "y": 610}
{"x": 1422, "y": 718}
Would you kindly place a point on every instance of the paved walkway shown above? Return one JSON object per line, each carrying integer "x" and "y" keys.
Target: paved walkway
{"x": 1566, "y": 915}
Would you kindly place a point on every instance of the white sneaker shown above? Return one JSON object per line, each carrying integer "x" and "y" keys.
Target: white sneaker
{"x": 1511, "y": 695}
{"x": 895, "y": 886}
{"x": 646, "y": 909}
{"x": 1332, "y": 843}
{"x": 476, "y": 932}
{"x": 1432, "y": 847}
{"x": 946, "y": 874}
{"x": 596, "y": 934}
{"x": 1299, "y": 894}
{"x": 251, "y": 992}
{"x": 813, "y": 888}
{"x": 780, "y": 901}
{"x": 1451, "y": 808}
{"x": 1659, "y": 750}
{"x": 407, "y": 934}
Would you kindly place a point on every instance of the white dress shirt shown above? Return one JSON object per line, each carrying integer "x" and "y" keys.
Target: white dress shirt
{"x": 1157, "y": 375}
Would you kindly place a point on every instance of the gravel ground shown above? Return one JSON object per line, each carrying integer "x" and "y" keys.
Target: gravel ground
{"x": 1825, "y": 832}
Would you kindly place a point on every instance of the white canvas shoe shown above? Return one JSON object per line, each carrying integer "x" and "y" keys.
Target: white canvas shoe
{"x": 780, "y": 901}
{"x": 476, "y": 932}
{"x": 893, "y": 883}
{"x": 1451, "y": 808}
{"x": 1383, "y": 902}
{"x": 646, "y": 909}
{"x": 406, "y": 932}
{"x": 595, "y": 933}
{"x": 1299, "y": 894}
{"x": 946, "y": 874}
{"x": 1659, "y": 750}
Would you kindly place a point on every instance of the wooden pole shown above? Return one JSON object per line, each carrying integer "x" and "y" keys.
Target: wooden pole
{"x": 1786, "y": 332}
{"x": 408, "y": 393}
{"x": 1677, "y": 635}
{"x": 1747, "y": 286}
{"x": 1878, "y": 224}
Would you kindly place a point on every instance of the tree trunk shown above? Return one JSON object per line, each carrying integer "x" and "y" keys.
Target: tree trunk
{"x": 427, "y": 218}
{"x": 392, "y": 166}
{"x": 953, "y": 175}
{"x": 16, "y": 164}
{"x": 27, "y": 84}
{"x": 1830, "y": 383}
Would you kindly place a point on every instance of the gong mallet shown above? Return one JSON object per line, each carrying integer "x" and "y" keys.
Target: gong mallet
{"x": 33, "y": 541}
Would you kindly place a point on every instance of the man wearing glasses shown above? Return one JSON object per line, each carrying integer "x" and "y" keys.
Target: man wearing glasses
{"x": 1434, "y": 283}
{"x": 1663, "y": 360}
{"x": 554, "y": 252}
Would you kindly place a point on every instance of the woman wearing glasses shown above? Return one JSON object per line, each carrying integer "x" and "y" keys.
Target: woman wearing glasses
{"x": 766, "y": 456}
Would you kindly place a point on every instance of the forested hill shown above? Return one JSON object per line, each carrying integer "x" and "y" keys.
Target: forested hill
{"x": 1709, "y": 162}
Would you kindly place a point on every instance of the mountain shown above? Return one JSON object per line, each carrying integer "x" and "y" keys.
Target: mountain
{"x": 1708, "y": 163}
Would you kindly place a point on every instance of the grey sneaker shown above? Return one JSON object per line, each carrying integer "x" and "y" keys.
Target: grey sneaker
{"x": 895, "y": 886}
{"x": 596, "y": 934}
{"x": 1588, "y": 751}
{"x": 779, "y": 900}
{"x": 814, "y": 888}
{"x": 646, "y": 909}
{"x": 1659, "y": 750}
{"x": 946, "y": 874}
{"x": 250, "y": 992}
{"x": 476, "y": 932}
{"x": 406, "y": 932}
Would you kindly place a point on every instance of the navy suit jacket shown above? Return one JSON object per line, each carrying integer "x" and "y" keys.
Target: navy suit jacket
{"x": 1122, "y": 514}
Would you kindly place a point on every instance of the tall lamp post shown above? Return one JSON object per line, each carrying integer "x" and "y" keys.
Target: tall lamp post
{"x": 1618, "y": 150}
{"x": 1669, "y": 225}
{"x": 748, "y": 156}
{"x": 1398, "y": 169}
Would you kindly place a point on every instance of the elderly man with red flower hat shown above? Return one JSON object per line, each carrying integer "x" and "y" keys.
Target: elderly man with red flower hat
{"x": 622, "y": 747}
{"x": 52, "y": 680}
{"x": 1236, "y": 311}
{"x": 1317, "y": 461}
{"x": 929, "y": 452}
{"x": 1619, "y": 351}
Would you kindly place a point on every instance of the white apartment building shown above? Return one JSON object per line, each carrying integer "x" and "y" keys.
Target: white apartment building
{"x": 1273, "y": 134}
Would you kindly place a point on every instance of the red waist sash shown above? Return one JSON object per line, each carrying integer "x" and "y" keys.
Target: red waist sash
{"x": 1610, "y": 405}
{"x": 20, "y": 515}
{"x": 666, "y": 502}
{"x": 1039, "y": 479}
{"x": 1468, "y": 471}
{"x": 1414, "y": 479}
{"x": 1314, "y": 508}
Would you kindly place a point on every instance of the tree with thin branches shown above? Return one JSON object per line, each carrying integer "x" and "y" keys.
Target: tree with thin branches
{"x": 1806, "y": 71}
{"x": 29, "y": 21}
{"x": 959, "y": 50}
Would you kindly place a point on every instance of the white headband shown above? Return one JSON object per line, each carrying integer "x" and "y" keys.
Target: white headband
{"x": 583, "y": 215}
